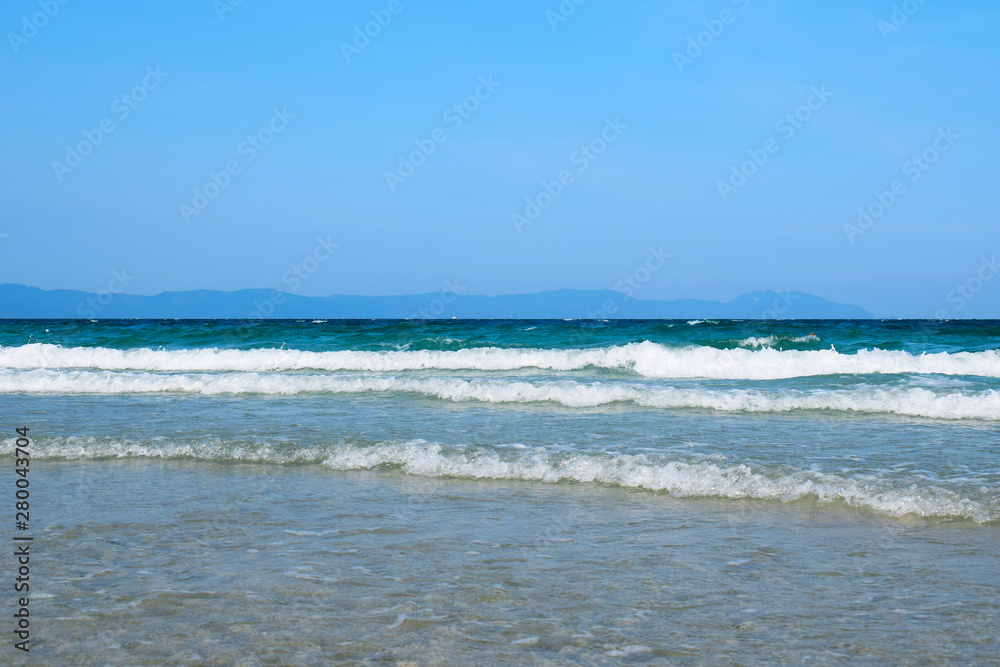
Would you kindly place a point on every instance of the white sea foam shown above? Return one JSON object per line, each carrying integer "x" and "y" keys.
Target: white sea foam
{"x": 757, "y": 341}
{"x": 944, "y": 403}
{"x": 646, "y": 359}
{"x": 640, "y": 471}
{"x": 772, "y": 340}
{"x": 674, "y": 477}
{"x": 215, "y": 449}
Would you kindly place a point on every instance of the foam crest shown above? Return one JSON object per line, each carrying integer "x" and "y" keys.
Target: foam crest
{"x": 772, "y": 340}
{"x": 646, "y": 359}
{"x": 680, "y": 479}
{"x": 658, "y": 473}
{"x": 79, "y": 448}
{"x": 944, "y": 403}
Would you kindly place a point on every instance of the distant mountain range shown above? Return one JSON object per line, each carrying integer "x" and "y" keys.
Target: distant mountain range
{"x": 21, "y": 302}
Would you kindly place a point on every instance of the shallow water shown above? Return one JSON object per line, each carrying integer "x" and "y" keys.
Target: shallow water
{"x": 150, "y": 561}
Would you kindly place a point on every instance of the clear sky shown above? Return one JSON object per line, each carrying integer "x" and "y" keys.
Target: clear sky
{"x": 740, "y": 136}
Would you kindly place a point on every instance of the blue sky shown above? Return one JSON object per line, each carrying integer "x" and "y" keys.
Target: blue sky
{"x": 644, "y": 109}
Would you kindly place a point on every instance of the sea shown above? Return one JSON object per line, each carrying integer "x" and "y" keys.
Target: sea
{"x": 505, "y": 492}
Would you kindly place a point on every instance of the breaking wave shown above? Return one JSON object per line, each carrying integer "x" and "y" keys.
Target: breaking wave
{"x": 645, "y": 359}
{"x": 639, "y": 471}
{"x": 908, "y": 401}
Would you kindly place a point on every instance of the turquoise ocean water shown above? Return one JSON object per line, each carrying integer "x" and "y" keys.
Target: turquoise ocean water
{"x": 561, "y": 492}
